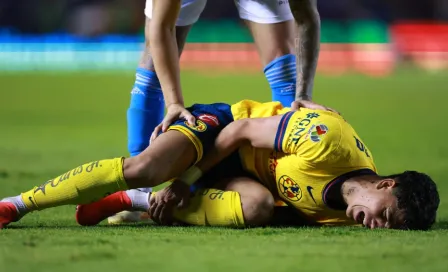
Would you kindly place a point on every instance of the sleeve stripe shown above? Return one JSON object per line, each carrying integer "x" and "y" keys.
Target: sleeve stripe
{"x": 281, "y": 131}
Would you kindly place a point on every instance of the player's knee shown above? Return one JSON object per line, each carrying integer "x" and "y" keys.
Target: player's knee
{"x": 139, "y": 172}
{"x": 258, "y": 209}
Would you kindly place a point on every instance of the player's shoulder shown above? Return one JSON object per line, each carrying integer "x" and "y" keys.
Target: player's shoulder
{"x": 352, "y": 150}
{"x": 314, "y": 133}
{"x": 319, "y": 126}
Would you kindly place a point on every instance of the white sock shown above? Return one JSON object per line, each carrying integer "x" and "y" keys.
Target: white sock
{"x": 139, "y": 199}
{"x": 18, "y": 202}
{"x": 146, "y": 190}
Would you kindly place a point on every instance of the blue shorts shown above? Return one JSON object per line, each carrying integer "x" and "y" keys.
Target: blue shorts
{"x": 210, "y": 120}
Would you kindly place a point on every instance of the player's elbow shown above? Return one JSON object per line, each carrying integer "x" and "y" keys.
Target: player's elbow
{"x": 238, "y": 130}
{"x": 250, "y": 130}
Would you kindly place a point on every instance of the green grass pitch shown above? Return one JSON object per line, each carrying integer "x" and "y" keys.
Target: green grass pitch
{"x": 52, "y": 123}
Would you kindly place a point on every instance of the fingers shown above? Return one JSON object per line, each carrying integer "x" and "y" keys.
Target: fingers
{"x": 295, "y": 105}
{"x": 333, "y": 110}
{"x": 183, "y": 203}
{"x": 155, "y": 133}
{"x": 157, "y": 209}
{"x": 152, "y": 208}
{"x": 169, "y": 118}
{"x": 165, "y": 216}
{"x": 189, "y": 117}
{"x": 174, "y": 113}
{"x": 161, "y": 208}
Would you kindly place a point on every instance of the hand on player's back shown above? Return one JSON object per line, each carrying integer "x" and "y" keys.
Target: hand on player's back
{"x": 161, "y": 205}
{"x": 296, "y": 105}
{"x": 173, "y": 113}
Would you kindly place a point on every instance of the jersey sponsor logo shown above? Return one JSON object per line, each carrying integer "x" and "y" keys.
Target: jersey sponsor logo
{"x": 289, "y": 188}
{"x": 310, "y": 191}
{"x": 312, "y": 115}
{"x": 200, "y": 126}
{"x": 209, "y": 119}
{"x": 317, "y": 132}
{"x": 300, "y": 126}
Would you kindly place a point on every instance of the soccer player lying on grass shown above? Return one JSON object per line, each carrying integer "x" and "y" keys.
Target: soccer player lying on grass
{"x": 272, "y": 27}
{"x": 313, "y": 160}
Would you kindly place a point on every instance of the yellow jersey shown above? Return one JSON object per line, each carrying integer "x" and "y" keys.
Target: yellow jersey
{"x": 313, "y": 151}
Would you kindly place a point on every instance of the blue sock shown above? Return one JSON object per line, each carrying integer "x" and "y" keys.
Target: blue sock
{"x": 281, "y": 75}
{"x": 145, "y": 111}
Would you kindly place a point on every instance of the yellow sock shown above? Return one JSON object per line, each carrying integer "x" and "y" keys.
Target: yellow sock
{"x": 84, "y": 184}
{"x": 211, "y": 207}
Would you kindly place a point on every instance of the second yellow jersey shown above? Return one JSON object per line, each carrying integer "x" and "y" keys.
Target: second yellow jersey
{"x": 313, "y": 151}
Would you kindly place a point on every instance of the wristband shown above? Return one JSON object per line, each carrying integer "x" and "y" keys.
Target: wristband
{"x": 191, "y": 175}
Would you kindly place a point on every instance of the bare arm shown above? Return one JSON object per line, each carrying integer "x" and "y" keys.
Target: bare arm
{"x": 307, "y": 45}
{"x": 258, "y": 132}
{"x": 146, "y": 60}
{"x": 164, "y": 49}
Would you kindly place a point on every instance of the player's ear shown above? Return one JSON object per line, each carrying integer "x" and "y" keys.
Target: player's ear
{"x": 386, "y": 183}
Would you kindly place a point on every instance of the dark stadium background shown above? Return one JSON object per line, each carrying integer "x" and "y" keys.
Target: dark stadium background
{"x": 67, "y": 68}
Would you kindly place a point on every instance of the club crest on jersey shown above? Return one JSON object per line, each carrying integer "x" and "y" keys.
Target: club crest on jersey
{"x": 289, "y": 188}
{"x": 209, "y": 119}
{"x": 317, "y": 132}
{"x": 200, "y": 126}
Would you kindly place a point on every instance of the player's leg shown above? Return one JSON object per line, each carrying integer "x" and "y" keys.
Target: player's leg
{"x": 210, "y": 121}
{"x": 256, "y": 201}
{"x": 147, "y": 104}
{"x": 272, "y": 28}
{"x": 235, "y": 202}
{"x": 169, "y": 155}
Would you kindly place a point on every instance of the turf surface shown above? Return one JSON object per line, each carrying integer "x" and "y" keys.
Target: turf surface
{"x": 52, "y": 123}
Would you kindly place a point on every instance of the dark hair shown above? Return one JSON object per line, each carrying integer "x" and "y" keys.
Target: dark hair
{"x": 417, "y": 198}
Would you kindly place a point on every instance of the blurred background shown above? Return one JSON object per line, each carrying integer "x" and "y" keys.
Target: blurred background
{"x": 368, "y": 36}
{"x": 67, "y": 68}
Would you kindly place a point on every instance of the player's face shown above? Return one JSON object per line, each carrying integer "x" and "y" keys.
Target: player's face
{"x": 374, "y": 206}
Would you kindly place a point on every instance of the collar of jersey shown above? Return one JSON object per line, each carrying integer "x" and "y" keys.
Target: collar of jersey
{"x": 338, "y": 181}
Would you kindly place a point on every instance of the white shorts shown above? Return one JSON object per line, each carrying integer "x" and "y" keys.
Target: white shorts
{"x": 258, "y": 11}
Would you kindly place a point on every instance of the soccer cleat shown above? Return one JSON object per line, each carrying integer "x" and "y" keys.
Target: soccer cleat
{"x": 92, "y": 214}
{"x": 129, "y": 217}
{"x": 8, "y": 214}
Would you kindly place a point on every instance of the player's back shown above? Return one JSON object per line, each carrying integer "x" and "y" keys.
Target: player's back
{"x": 314, "y": 152}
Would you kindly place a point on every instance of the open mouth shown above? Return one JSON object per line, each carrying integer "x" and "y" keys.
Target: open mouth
{"x": 360, "y": 217}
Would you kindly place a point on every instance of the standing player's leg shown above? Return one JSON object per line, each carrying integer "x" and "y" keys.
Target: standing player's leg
{"x": 170, "y": 155}
{"x": 272, "y": 28}
{"x": 147, "y": 105}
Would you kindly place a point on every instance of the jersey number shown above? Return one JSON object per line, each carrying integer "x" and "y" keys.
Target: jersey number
{"x": 361, "y": 147}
